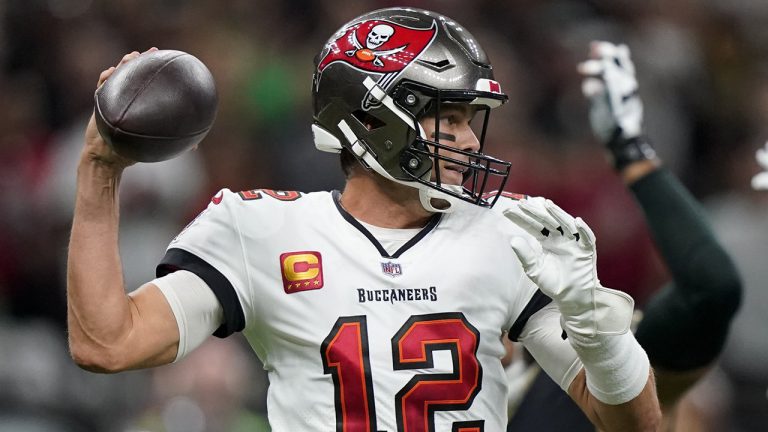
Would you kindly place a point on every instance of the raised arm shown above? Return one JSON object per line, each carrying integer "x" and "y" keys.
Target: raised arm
{"x": 685, "y": 324}
{"x": 109, "y": 331}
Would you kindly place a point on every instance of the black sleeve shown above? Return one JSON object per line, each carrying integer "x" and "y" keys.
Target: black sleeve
{"x": 179, "y": 259}
{"x": 686, "y": 323}
{"x": 535, "y": 304}
{"x": 547, "y": 408}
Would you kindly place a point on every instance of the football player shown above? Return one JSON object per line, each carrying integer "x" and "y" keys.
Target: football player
{"x": 685, "y": 324}
{"x": 381, "y": 307}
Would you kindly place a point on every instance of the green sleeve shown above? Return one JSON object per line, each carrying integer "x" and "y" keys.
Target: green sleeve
{"x": 686, "y": 323}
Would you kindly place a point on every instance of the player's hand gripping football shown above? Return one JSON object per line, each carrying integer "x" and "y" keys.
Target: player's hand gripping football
{"x": 616, "y": 111}
{"x": 564, "y": 265}
{"x": 760, "y": 180}
{"x": 96, "y": 149}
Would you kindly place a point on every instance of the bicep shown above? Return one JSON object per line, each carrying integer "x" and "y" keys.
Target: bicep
{"x": 172, "y": 316}
{"x": 154, "y": 335}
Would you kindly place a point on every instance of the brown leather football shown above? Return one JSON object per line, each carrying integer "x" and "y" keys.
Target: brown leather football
{"x": 156, "y": 106}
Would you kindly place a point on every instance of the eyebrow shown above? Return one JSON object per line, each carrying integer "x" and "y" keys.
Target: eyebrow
{"x": 460, "y": 108}
{"x": 444, "y": 136}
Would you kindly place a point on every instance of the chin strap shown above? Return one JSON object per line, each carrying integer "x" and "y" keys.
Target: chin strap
{"x": 432, "y": 200}
{"x": 436, "y": 201}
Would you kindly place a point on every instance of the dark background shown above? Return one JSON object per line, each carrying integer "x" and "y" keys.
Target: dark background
{"x": 702, "y": 71}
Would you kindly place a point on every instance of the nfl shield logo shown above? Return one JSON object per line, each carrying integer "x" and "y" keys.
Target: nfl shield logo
{"x": 391, "y": 269}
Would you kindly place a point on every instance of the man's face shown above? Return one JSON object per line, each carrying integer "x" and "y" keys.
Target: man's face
{"x": 456, "y": 132}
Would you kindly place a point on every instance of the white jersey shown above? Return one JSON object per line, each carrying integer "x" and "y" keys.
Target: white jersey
{"x": 354, "y": 338}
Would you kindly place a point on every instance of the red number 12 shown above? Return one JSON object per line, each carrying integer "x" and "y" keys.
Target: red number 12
{"x": 345, "y": 358}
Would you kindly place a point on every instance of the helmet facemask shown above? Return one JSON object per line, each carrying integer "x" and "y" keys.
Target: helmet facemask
{"x": 421, "y": 159}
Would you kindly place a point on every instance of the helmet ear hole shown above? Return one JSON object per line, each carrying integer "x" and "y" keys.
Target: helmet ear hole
{"x": 368, "y": 120}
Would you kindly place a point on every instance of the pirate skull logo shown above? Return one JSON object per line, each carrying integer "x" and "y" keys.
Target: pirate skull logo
{"x": 378, "y": 35}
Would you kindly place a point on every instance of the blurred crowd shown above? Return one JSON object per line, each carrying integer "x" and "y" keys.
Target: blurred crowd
{"x": 703, "y": 72}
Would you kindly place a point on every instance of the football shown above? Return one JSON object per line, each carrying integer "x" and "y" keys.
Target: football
{"x": 156, "y": 106}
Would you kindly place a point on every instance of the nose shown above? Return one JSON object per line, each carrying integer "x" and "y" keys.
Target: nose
{"x": 469, "y": 141}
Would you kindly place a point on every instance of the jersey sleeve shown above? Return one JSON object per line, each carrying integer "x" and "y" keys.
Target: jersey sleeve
{"x": 541, "y": 336}
{"x": 197, "y": 311}
{"x": 211, "y": 248}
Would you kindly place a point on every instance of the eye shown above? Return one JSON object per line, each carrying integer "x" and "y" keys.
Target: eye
{"x": 450, "y": 119}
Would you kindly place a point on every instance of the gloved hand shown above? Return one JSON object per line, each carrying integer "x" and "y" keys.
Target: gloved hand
{"x": 564, "y": 265}
{"x": 760, "y": 180}
{"x": 616, "y": 111}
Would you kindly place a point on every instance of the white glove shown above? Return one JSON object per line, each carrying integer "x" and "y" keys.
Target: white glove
{"x": 563, "y": 265}
{"x": 611, "y": 87}
{"x": 760, "y": 180}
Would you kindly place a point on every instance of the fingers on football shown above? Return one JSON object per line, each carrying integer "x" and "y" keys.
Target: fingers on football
{"x": 524, "y": 221}
{"x": 128, "y": 57}
{"x": 104, "y": 75}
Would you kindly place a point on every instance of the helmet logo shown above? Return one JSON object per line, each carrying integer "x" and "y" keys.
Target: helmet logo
{"x": 378, "y": 35}
{"x": 386, "y": 47}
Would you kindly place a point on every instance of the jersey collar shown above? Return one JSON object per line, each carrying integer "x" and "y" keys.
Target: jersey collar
{"x": 433, "y": 221}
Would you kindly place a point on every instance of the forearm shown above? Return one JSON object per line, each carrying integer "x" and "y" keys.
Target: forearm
{"x": 686, "y": 323}
{"x": 617, "y": 390}
{"x": 682, "y": 233}
{"x": 639, "y": 414}
{"x": 620, "y": 394}
{"x": 98, "y": 309}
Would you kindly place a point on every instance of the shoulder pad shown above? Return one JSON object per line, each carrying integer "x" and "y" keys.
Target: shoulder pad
{"x": 257, "y": 194}
{"x": 507, "y": 199}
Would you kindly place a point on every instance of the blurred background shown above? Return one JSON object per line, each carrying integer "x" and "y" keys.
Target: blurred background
{"x": 703, "y": 72}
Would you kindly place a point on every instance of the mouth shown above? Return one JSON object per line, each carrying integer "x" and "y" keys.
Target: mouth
{"x": 454, "y": 174}
{"x": 457, "y": 168}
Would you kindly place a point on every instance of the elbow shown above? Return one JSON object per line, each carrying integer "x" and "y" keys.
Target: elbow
{"x": 724, "y": 293}
{"x": 648, "y": 415}
{"x": 95, "y": 359}
{"x": 651, "y": 422}
{"x": 732, "y": 291}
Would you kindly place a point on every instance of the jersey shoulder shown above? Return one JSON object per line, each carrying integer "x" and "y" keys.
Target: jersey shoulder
{"x": 472, "y": 217}
{"x": 265, "y": 196}
{"x": 266, "y": 201}
{"x": 507, "y": 200}
{"x": 231, "y": 212}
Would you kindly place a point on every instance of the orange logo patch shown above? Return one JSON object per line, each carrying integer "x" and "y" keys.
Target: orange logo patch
{"x": 301, "y": 271}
